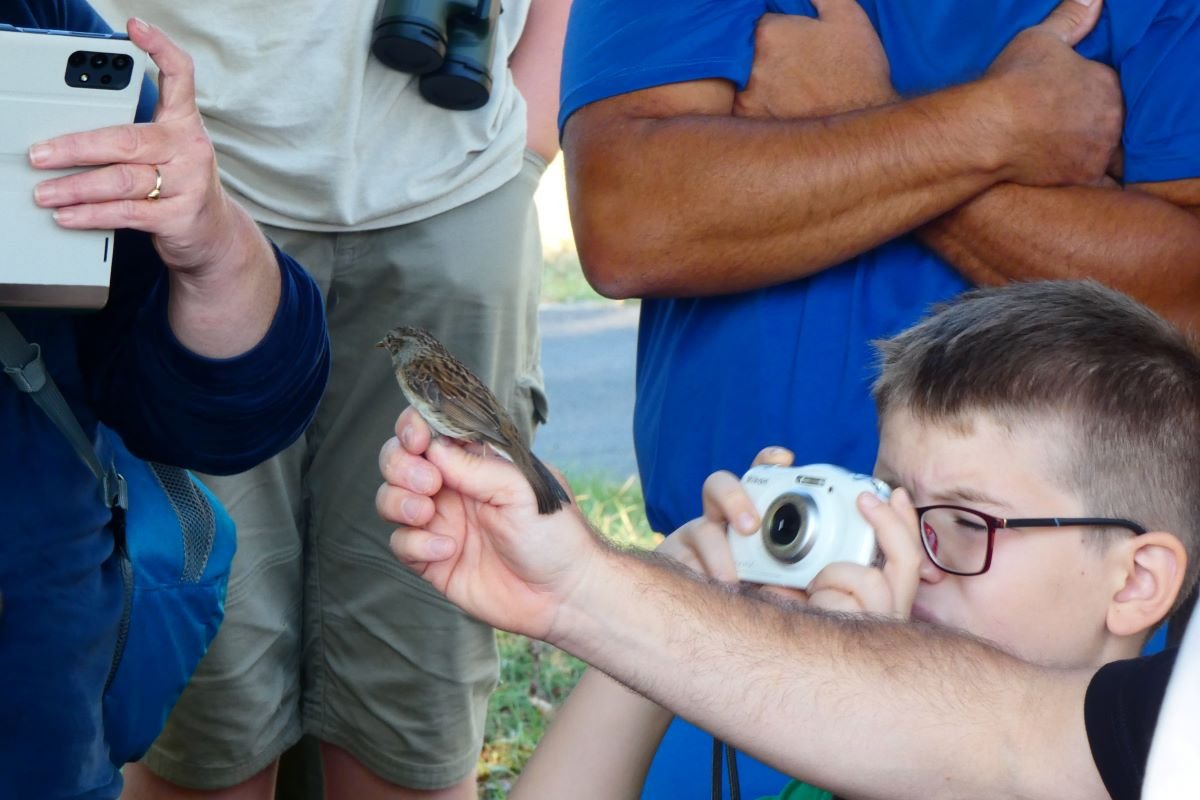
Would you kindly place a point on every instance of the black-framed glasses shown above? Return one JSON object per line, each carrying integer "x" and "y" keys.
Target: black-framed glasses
{"x": 960, "y": 540}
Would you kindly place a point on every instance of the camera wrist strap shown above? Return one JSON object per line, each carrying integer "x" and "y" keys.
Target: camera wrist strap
{"x": 735, "y": 790}
{"x": 23, "y": 363}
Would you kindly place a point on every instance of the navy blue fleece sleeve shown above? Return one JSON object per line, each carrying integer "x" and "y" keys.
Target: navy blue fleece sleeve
{"x": 213, "y": 415}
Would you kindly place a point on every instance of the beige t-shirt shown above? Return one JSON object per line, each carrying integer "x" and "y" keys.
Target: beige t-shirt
{"x": 313, "y": 132}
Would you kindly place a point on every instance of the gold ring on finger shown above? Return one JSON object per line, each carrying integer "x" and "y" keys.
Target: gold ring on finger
{"x": 156, "y": 192}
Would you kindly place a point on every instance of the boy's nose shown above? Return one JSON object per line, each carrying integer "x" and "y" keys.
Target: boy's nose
{"x": 929, "y": 571}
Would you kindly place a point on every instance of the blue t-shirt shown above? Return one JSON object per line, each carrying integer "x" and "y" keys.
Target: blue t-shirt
{"x": 62, "y": 594}
{"x": 720, "y": 377}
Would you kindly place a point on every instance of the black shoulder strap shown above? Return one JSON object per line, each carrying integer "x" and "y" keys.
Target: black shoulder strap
{"x": 23, "y": 363}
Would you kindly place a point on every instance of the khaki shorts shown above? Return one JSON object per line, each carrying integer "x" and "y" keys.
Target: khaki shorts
{"x": 325, "y": 633}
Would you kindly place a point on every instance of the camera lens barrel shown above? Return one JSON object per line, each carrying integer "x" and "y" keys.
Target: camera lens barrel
{"x": 789, "y": 528}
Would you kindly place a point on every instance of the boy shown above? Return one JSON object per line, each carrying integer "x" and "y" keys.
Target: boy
{"x": 1049, "y": 434}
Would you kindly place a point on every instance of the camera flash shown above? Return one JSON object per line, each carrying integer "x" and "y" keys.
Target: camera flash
{"x": 83, "y": 77}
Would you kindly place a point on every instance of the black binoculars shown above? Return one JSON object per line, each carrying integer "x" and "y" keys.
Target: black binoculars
{"x": 449, "y": 43}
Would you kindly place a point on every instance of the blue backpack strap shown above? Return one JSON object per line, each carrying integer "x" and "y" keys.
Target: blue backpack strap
{"x": 23, "y": 363}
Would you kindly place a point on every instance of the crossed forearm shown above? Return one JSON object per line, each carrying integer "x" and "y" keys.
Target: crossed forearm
{"x": 715, "y": 204}
{"x": 1130, "y": 240}
{"x": 865, "y": 707}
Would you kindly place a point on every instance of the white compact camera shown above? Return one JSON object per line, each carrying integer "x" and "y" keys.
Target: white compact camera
{"x": 809, "y": 520}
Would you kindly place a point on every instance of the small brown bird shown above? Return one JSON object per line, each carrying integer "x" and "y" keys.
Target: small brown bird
{"x": 457, "y": 404}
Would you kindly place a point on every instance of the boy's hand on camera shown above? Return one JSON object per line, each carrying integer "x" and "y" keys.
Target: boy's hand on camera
{"x": 476, "y": 534}
{"x": 889, "y": 589}
{"x": 702, "y": 544}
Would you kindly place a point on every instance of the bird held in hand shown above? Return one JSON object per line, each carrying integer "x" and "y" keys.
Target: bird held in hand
{"x": 457, "y": 404}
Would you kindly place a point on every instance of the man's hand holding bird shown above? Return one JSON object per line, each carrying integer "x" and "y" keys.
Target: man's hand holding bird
{"x": 457, "y": 404}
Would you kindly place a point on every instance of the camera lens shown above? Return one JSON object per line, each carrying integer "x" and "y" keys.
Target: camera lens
{"x": 120, "y": 62}
{"x": 789, "y": 528}
{"x": 785, "y": 525}
{"x": 99, "y": 60}
{"x": 77, "y": 58}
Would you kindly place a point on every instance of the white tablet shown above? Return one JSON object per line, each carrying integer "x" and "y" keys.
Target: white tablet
{"x": 52, "y": 83}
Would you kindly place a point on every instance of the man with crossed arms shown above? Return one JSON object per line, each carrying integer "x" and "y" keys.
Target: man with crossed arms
{"x": 784, "y": 188}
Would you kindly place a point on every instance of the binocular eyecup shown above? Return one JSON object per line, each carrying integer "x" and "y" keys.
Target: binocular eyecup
{"x": 409, "y": 45}
{"x": 448, "y": 43}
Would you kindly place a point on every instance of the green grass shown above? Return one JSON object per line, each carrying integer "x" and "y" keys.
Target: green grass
{"x": 534, "y": 677}
{"x": 563, "y": 281}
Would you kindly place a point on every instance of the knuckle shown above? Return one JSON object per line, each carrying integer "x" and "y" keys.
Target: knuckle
{"x": 132, "y": 211}
{"x": 126, "y": 180}
{"x": 127, "y": 140}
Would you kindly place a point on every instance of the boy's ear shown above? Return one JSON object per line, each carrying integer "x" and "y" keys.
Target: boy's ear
{"x": 1154, "y": 565}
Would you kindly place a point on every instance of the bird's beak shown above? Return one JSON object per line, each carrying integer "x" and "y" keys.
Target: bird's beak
{"x": 380, "y": 343}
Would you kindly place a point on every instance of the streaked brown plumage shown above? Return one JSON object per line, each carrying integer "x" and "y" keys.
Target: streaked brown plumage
{"x": 457, "y": 404}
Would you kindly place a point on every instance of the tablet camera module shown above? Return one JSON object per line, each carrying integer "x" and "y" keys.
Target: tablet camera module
{"x": 88, "y": 69}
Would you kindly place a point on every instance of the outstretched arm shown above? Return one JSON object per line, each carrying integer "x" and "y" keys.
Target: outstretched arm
{"x": 864, "y": 706}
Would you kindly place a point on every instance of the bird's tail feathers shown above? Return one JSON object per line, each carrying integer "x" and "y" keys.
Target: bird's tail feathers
{"x": 549, "y": 492}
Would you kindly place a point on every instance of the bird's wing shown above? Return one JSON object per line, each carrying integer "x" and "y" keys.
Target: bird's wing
{"x": 465, "y": 401}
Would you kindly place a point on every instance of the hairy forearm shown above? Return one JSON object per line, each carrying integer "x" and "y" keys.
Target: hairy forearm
{"x": 226, "y": 309}
{"x": 599, "y": 747}
{"x": 1127, "y": 239}
{"x": 716, "y": 204}
{"x": 865, "y": 707}
{"x": 536, "y": 64}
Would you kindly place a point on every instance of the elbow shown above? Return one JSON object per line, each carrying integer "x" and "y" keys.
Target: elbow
{"x": 610, "y": 264}
{"x": 619, "y": 222}
{"x": 621, "y": 243}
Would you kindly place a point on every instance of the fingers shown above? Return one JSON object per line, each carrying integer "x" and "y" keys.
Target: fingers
{"x": 116, "y": 182}
{"x": 778, "y": 456}
{"x": 128, "y": 144}
{"x": 413, "y": 431}
{"x": 726, "y": 502}
{"x": 416, "y": 548}
{"x": 400, "y": 506}
{"x": 402, "y": 469}
{"x": 843, "y": 586}
{"x": 896, "y": 531}
{"x": 1072, "y": 20}
{"x": 487, "y": 479}
{"x": 703, "y": 545}
{"x": 853, "y": 587}
{"x": 834, "y": 10}
{"x": 176, "y": 74}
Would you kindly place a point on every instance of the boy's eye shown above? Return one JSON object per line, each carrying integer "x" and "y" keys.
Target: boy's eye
{"x": 970, "y": 524}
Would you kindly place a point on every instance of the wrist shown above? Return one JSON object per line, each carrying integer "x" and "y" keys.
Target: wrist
{"x": 986, "y": 117}
{"x": 585, "y": 605}
{"x": 224, "y": 306}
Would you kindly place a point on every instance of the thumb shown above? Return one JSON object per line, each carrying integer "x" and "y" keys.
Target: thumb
{"x": 831, "y": 10}
{"x": 1072, "y": 20}
{"x": 480, "y": 477}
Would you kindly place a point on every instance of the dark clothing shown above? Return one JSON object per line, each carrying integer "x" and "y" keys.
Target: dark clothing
{"x": 123, "y": 366}
{"x": 1120, "y": 711}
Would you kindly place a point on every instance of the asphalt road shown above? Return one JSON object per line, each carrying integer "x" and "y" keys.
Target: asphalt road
{"x": 588, "y": 354}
